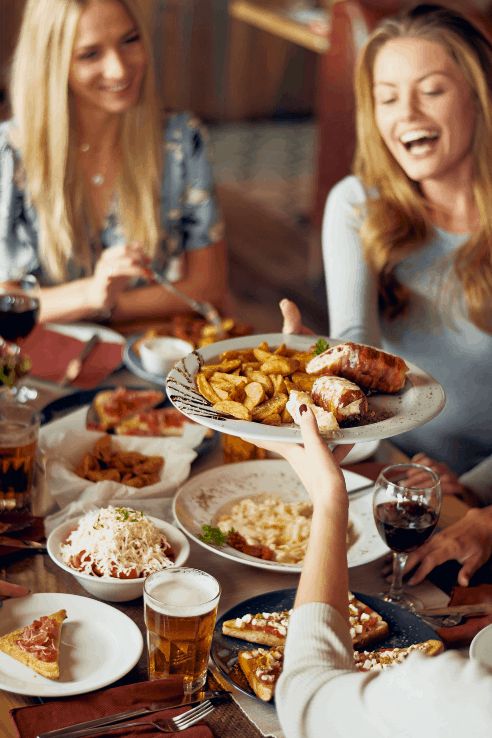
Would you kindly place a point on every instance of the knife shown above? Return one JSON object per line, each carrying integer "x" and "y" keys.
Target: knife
{"x": 475, "y": 610}
{"x": 20, "y": 543}
{"x": 72, "y": 731}
{"x": 75, "y": 365}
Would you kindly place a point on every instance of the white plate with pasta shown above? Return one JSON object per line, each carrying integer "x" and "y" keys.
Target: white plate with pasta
{"x": 418, "y": 401}
{"x": 240, "y": 494}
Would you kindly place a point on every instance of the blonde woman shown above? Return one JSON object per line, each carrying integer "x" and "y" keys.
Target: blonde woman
{"x": 93, "y": 188}
{"x": 407, "y": 241}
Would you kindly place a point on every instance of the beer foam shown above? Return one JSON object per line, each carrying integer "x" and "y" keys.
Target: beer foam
{"x": 187, "y": 594}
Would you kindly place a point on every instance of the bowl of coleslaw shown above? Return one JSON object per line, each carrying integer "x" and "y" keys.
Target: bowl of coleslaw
{"x": 110, "y": 551}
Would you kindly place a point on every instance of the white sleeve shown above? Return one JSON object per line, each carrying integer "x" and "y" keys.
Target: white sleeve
{"x": 351, "y": 287}
{"x": 320, "y": 694}
{"x": 479, "y": 480}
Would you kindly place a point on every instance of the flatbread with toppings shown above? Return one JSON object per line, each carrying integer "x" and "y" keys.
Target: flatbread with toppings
{"x": 114, "y": 406}
{"x": 262, "y": 667}
{"x": 37, "y": 645}
{"x": 270, "y": 628}
{"x": 267, "y": 628}
{"x": 382, "y": 658}
{"x": 164, "y": 421}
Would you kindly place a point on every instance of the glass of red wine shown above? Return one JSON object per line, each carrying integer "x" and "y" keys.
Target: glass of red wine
{"x": 406, "y": 509}
{"x": 19, "y": 307}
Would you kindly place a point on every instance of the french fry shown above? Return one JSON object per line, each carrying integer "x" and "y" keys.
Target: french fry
{"x": 281, "y": 350}
{"x": 279, "y": 365}
{"x": 205, "y": 389}
{"x": 236, "y": 409}
{"x": 225, "y": 366}
{"x": 230, "y": 378}
{"x": 219, "y": 390}
{"x": 255, "y": 394}
{"x": 273, "y": 419}
{"x": 274, "y": 405}
{"x": 242, "y": 354}
{"x": 263, "y": 379}
{"x": 278, "y": 384}
{"x": 303, "y": 381}
{"x": 262, "y": 354}
{"x": 286, "y": 417}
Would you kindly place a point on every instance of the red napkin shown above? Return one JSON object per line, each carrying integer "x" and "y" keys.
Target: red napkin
{"x": 30, "y": 721}
{"x": 462, "y": 635}
{"x": 50, "y": 353}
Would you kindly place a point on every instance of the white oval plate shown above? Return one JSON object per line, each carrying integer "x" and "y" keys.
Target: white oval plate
{"x": 84, "y": 331}
{"x": 99, "y": 645}
{"x": 421, "y": 399}
{"x": 203, "y": 497}
{"x": 481, "y": 647}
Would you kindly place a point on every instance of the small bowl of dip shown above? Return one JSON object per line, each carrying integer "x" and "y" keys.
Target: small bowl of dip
{"x": 158, "y": 355}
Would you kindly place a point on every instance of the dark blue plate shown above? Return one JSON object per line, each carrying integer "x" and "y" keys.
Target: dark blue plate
{"x": 68, "y": 403}
{"x": 405, "y": 628}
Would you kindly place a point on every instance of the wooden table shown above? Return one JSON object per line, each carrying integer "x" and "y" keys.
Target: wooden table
{"x": 40, "y": 574}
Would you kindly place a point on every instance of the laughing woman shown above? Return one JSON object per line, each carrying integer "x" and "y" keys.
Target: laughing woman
{"x": 93, "y": 189}
{"x": 407, "y": 241}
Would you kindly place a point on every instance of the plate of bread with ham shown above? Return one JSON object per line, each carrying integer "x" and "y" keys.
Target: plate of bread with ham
{"x": 56, "y": 645}
{"x": 253, "y": 386}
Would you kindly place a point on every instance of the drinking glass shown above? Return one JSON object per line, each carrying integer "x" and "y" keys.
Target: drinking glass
{"x": 19, "y": 426}
{"x": 19, "y": 307}
{"x": 406, "y": 510}
{"x": 180, "y": 606}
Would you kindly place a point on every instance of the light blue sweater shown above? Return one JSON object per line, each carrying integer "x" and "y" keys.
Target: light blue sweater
{"x": 434, "y": 334}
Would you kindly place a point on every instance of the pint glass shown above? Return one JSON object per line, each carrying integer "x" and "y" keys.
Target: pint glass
{"x": 19, "y": 426}
{"x": 180, "y": 609}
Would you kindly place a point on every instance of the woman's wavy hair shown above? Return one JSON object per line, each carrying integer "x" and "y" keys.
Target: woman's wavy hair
{"x": 397, "y": 221}
{"x": 45, "y": 135}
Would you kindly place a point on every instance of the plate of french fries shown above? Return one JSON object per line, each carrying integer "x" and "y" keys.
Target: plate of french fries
{"x": 242, "y": 387}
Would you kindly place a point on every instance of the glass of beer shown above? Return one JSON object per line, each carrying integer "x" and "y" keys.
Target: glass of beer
{"x": 19, "y": 426}
{"x": 180, "y": 609}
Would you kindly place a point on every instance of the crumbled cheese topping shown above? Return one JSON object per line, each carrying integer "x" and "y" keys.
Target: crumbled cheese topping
{"x": 116, "y": 542}
{"x": 385, "y": 658}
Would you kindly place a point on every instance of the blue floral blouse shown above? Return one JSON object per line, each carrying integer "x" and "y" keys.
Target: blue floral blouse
{"x": 190, "y": 217}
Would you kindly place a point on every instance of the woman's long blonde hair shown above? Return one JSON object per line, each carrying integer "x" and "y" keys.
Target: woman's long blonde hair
{"x": 397, "y": 221}
{"x": 45, "y": 136}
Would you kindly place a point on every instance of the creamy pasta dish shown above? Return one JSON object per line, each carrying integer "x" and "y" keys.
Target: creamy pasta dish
{"x": 268, "y": 520}
{"x": 117, "y": 542}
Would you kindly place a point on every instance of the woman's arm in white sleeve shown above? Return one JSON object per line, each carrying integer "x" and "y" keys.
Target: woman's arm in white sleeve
{"x": 319, "y": 694}
{"x": 351, "y": 287}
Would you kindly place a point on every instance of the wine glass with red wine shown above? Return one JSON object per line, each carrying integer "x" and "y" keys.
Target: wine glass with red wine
{"x": 19, "y": 307}
{"x": 406, "y": 510}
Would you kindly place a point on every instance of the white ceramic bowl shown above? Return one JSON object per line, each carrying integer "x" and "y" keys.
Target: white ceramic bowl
{"x": 110, "y": 588}
{"x": 158, "y": 355}
{"x": 481, "y": 646}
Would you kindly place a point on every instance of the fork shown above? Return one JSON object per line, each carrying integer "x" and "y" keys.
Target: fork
{"x": 209, "y": 312}
{"x": 163, "y": 725}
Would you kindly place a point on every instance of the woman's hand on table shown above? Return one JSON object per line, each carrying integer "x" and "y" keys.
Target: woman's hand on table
{"x": 8, "y": 589}
{"x": 468, "y": 541}
{"x": 293, "y": 319}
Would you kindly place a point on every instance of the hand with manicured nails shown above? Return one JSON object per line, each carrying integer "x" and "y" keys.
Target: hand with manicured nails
{"x": 468, "y": 541}
{"x": 317, "y": 467}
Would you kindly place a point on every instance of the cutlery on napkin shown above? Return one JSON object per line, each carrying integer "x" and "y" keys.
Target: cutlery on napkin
{"x": 115, "y": 718}
{"x": 74, "y": 366}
